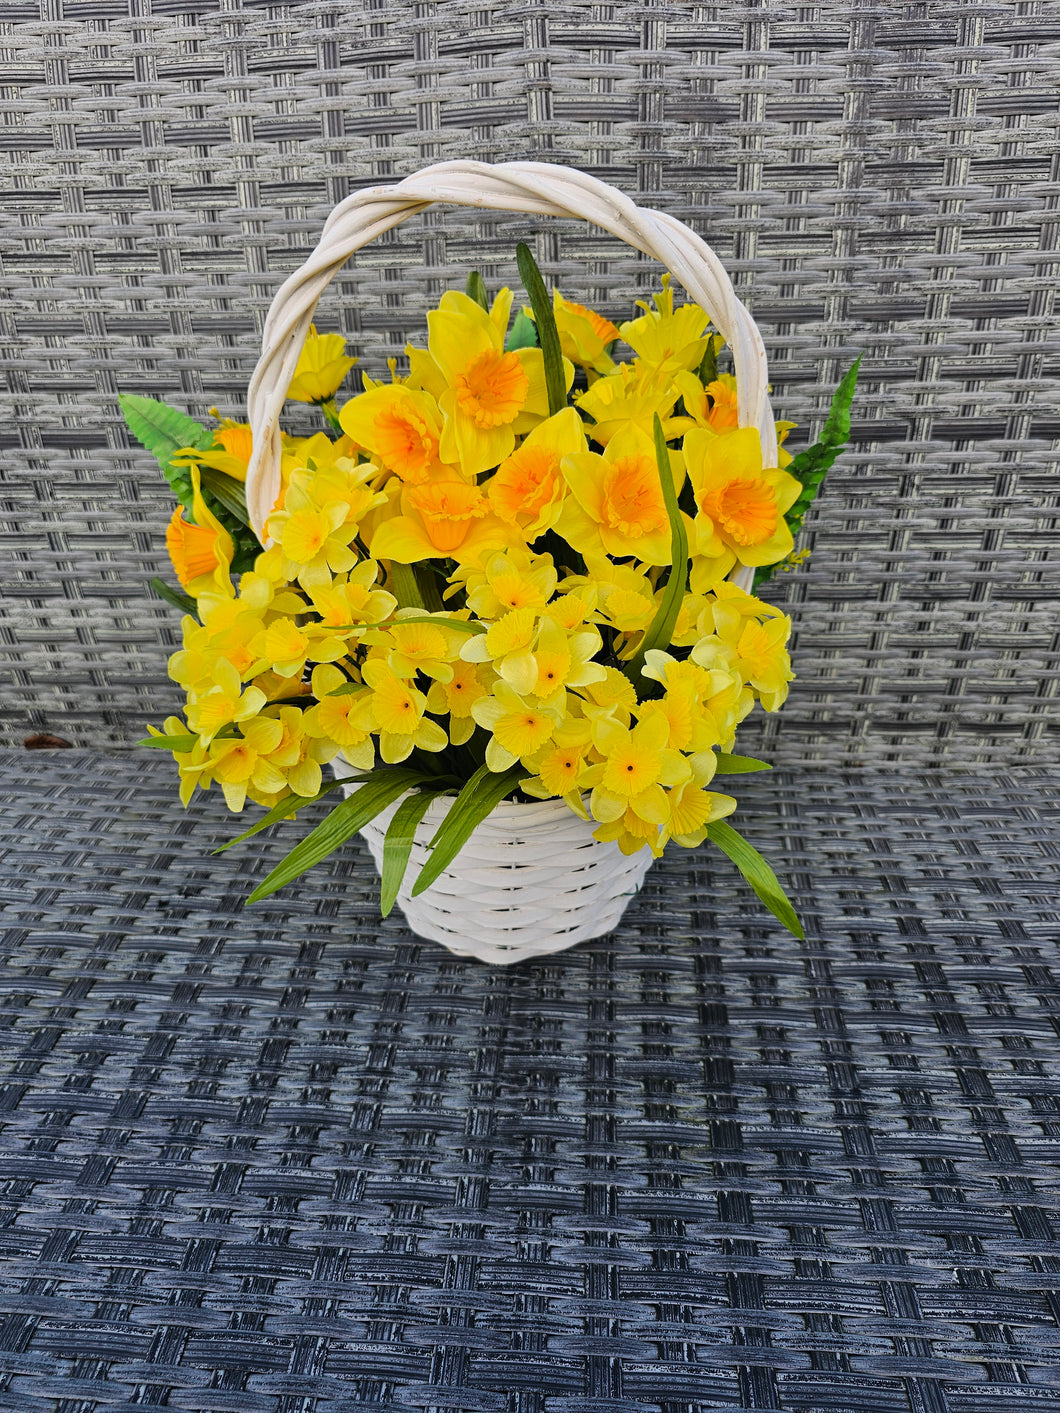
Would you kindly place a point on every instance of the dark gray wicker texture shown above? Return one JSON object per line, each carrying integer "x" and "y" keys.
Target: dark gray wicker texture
{"x": 882, "y": 177}
{"x": 290, "y": 1160}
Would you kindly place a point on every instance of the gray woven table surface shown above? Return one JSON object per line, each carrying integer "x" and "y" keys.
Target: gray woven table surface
{"x": 291, "y": 1160}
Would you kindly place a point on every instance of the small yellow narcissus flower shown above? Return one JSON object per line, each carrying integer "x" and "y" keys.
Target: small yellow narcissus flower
{"x": 519, "y": 728}
{"x": 321, "y": 368}
{"x": 398, "y": 709}
{"x": 457, "y": 696}
{"x": 583, "y": 334}
{"x": 201, "y": 553}
{"x": 342, "y": 718}
{"x": 222, "y": 703}
{"x": 637, "y": 764}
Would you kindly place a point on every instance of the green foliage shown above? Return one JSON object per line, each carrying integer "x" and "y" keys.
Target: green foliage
{"x": 708, "y": 369}
{"x": 482, "y": 792}
{"x": 757, "y": 873}
{"x": 163, "y": 430}
{"x": 172, "y": 596}
{"x": 291, "y": 805}
{"x": 226, "y": 491}
{"x": 381, "y": 789}
{"x": 523, "y": 333}
{"x": 547, "y": 333}
{"x": 740, "y": 765}
{"x": 661, "y": 629}
{"x": 397, "y": 845}
{"x": 812, "y": 465}
{"x": 476, "y": 290}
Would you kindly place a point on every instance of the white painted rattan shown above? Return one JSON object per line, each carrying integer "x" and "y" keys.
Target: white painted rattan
{"x": 530, "y": 880}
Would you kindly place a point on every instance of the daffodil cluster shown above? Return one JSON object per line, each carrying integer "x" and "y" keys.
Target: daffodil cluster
{"x": 460, "y": 574}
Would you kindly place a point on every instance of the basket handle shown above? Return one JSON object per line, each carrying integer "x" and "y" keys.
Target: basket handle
{"x": 538, "y": 188}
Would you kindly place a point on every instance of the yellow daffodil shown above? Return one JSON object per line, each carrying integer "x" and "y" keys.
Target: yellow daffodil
{"x": 439, "y": 520}
{"x": 507, "y": 579}
{"x": 632, "y": 396}
{"x": 584, "y": 336}
{"x": 527, "y": 489}
{"x": 490, "y": 395}
{"x": 402, "y": 429}
{"x": 668, "y": 339}
{"x": 222, "y": 703}
{"x": 740, "y": 501}
{"x": 342, "y": 717}
{"x": 456, "y": 696}
{"x": 321, "y": 368}
{"x": 508, "y": 644}
{"x": 617, "y": 504}
{"x": 201, "y": 553}
{"x": 637, "y": 764}
{"x": 398, "y": 709}
{"x": 518, "y": 728}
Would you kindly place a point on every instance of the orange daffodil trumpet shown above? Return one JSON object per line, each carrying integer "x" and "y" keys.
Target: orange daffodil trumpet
{"x": 465, "y": 579}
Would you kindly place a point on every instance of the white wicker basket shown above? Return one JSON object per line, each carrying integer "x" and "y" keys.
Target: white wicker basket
{"x": 531, "y": 879}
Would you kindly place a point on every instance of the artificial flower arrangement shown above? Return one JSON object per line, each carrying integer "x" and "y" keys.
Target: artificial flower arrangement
{"x": 505, "y": 573}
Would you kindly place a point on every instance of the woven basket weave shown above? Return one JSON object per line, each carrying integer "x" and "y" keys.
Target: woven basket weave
{"x": 531, "y": 879}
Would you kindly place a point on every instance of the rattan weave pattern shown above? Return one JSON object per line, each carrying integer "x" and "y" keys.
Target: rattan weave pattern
{"x": 287, "y": 1160}
{"x": 876, "y": 176}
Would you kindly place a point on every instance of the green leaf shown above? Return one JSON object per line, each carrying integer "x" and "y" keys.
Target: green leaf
{"x": 172, "y": 596}
{"x": 163, "y": 430}
{"x": 476, "y": 290}
{"x": 404, "y": 586}
{"x": 482, "y": 792}
{"x": 757, "y": 873}
{"x": 547, "y": 333}
{"x": 661, "y": 629}
{"x": 226, "y": 489}
{"x": 523, "y": 333}
{"x": 381, "y": 789}
{"x": 169, "y": 743}
{"x": 812, "y": 465}
{"x": 739, "y": 765}
{"x": 708, "y": 369}
{"x": 397, "y": 845}
{"x": 286, "y": 808}
{"x": 462, "y": 625}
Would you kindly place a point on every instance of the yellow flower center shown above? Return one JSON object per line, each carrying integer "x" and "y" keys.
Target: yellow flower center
{"x": 633, "y": 500}
{"x": 405, "y": 443}
{"x": 492, "y": 389}
{"x": 746, "y": 510}
{"x": 525, "y": 483}
{"x": 722, "y": 416}
{"x": 448, "y": 508}
{"x": 523, "y": 732}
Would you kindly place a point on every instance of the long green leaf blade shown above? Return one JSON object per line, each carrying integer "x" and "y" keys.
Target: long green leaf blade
{"x": 740, "y": 765}
{"x": 661, "y": 629}
{"x": 397, "y": 845}
{"x": 547, "y": 333}
{"x": 482, "y": 792}
{"x": 757, "y": 873}
{"x": 291, "y": 805}
{"x": 174, "y": 597}
{"x": 228, "y": 491}
{"x": 344, "y": 820}
{"x": 476, "y": 290}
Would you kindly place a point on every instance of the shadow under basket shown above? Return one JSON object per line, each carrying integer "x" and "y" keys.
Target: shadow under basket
{"x": 530, "y": 880}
